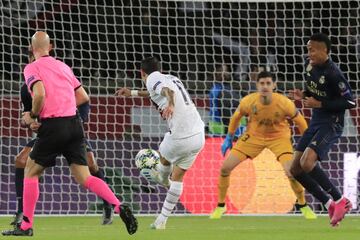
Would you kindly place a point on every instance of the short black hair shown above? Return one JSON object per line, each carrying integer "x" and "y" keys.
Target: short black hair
{"x": 321, "y": 37}
{"x": 150, "y": 64}
{"x": 265, "y": 74}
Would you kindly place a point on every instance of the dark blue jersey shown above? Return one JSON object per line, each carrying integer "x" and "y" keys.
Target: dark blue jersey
{"x": 26, "y": 99}
{"x": 326, "y": 83}
{"x": 223, "y": 102}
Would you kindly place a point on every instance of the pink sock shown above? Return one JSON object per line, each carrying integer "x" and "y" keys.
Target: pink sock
{"x": 30, "y": 197}
{"x": 100, "y": 188}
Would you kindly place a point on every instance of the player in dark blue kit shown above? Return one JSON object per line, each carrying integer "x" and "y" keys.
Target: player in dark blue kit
{"x": 21, "y": 158}
{"x": 328, "y": 94}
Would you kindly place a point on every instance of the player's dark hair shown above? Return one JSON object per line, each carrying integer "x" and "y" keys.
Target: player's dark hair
{"x": 150, "y": 64}
{"x": 265, "y": 74}
{"x": 321, "y": 37}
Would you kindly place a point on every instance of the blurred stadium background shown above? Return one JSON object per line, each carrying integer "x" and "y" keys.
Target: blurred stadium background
{"x": 104, "y": 41}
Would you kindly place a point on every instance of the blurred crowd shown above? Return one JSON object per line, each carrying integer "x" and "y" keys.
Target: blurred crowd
{"x": 105, "y": 40}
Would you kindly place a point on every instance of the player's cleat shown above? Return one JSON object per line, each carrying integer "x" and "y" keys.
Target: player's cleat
{"x": 218, "y": 212}
{"x": 17, "y": 219}
{"x": 18, "y": 232}
{"x": 340, "y": 209}
{"x": 161, "y": 226}
{"x": 108, "y": 215}
{"x": 154, "y": 176}
{"x": 148, "y": 174}
{"x": 331, "y": 212}
{"x": 129, "y": 219}
{"x": 307, "y": 212}
{"x": 331, "y": 209}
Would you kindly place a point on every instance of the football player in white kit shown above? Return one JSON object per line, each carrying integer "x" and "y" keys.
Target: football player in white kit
{"x": 185, "y": 138}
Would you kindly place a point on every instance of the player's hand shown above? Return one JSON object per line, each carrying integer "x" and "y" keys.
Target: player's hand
{"x": 295, "y": 94}
{"x": 22, "y": 122}
{"x": 35, "y": 126}
{"x": 167, "y": 112}
{"x": 227, "y": 144}
{"x": 125, "y": 92}
{"x": 311, "y": 102}
{"x": 27, "y": 119}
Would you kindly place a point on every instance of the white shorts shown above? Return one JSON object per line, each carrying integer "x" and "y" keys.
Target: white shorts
{"x": 182, "y": 152}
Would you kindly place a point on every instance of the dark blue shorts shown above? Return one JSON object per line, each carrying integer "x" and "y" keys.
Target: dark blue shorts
{"x": 320, "y": 138}
{"x": 31, "y": 143}
{"x": 88, "y": 146}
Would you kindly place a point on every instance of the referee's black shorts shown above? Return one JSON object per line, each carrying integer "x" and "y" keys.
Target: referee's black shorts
{"x": 62, "y": 135}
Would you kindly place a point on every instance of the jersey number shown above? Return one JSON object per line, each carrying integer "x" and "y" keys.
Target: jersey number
{"x": 183, "y": 91}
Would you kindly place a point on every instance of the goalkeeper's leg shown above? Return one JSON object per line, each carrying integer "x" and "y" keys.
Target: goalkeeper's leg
{"x": 234, "y": 158}
{"x": 298, "y": 189}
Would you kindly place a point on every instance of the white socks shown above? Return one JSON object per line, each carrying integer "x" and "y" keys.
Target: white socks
{"x": 163, "y": 170}
{"x": 327, "y": 205}
{"x": 172, "y": 197}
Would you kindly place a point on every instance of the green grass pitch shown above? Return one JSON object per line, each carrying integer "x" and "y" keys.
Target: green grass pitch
{"x": 195, "y": 227}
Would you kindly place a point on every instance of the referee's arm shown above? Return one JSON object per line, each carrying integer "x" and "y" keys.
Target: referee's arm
{"x": 38, "y": 98}
{"x": 81, "y": 96}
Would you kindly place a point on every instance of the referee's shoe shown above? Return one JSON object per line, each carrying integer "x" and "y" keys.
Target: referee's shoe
{"x": 18, "y": 232}
{"x": 129, "y": 219}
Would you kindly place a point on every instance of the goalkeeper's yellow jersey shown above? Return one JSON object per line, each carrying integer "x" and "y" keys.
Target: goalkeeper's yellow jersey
{"x": 268, "y": 121}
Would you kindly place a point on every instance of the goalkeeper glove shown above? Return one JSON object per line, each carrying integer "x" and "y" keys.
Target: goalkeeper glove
{"x": 227, "y": 144}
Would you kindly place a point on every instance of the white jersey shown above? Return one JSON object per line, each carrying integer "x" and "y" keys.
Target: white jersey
{"x": 186, "y": 120}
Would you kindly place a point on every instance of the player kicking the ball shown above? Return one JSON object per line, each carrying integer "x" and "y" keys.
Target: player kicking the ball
{"x": 182, "y": 143}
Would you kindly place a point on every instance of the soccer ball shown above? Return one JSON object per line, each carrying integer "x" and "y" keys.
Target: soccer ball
{"x": 147, "y": 158}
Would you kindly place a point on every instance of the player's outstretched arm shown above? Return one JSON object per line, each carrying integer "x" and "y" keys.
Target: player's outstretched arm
{"x": 81, "y": 96}
{"x": 233, "y": 125}
{"x": 297, "y": 118}
{"x": 234, "y": 121}
{"x": 300, "y": 122}
{"x": 126, "y": 92}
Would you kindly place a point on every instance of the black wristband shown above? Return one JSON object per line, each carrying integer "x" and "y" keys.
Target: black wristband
{"x": 32, "y": 115}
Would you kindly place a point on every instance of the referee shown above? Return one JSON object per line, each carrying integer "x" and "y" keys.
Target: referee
{"x": 52, "y": 84}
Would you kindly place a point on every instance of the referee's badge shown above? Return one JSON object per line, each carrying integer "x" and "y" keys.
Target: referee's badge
{"x": 322, "y": 80}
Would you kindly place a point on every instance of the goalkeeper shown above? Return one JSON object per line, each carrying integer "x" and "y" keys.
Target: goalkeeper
{"x": 268, "y": 114}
